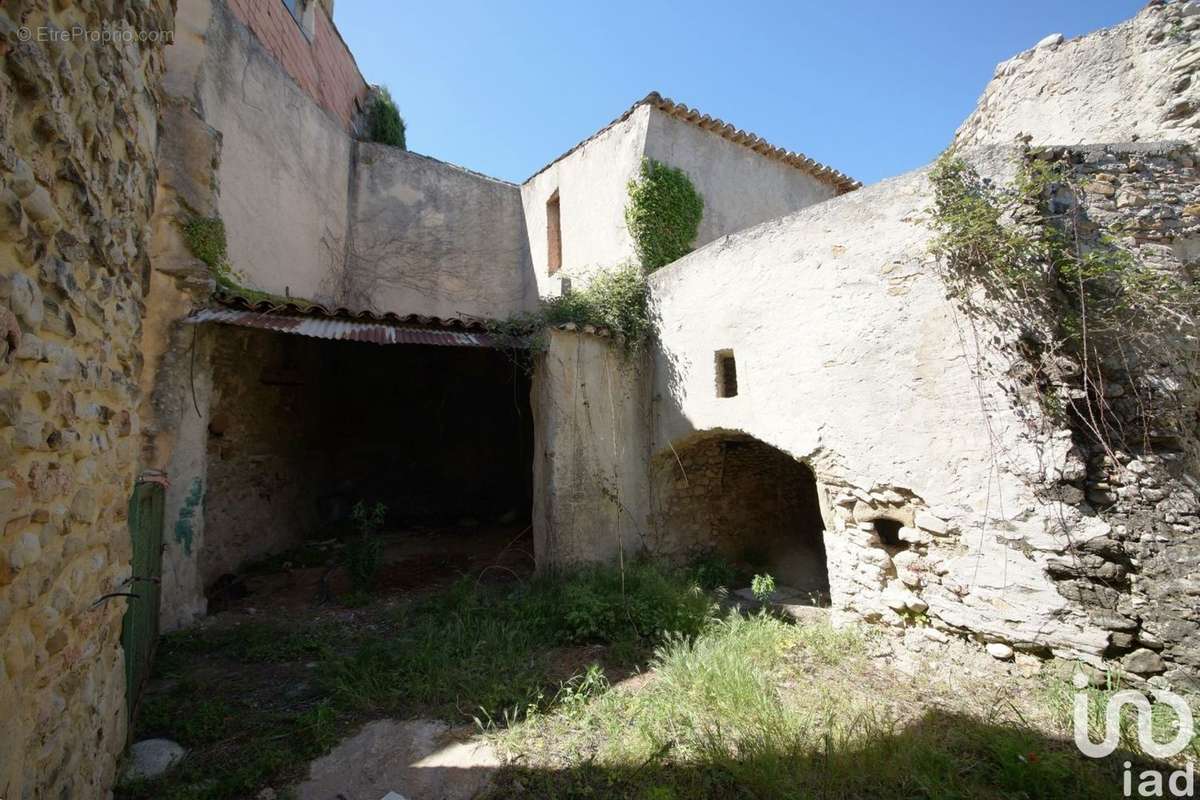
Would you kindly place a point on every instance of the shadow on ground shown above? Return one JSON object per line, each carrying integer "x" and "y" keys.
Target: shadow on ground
{"x": 941, "y": 755}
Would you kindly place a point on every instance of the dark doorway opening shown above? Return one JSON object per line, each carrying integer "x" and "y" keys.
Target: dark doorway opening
{"x": 750, "y": 502}
{"x": 303, "y": 429}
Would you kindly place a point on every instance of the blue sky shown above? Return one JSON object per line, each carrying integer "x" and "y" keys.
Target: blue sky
{"x": 871, "y": 88}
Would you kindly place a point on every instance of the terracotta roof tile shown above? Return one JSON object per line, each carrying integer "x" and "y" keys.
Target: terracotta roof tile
{"x": 842, "y": 182}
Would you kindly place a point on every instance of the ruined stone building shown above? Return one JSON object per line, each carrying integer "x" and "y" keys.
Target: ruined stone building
{"x": 812, "y": 391}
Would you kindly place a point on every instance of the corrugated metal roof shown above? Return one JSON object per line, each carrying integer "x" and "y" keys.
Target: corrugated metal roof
{"x": 349, "y": 330}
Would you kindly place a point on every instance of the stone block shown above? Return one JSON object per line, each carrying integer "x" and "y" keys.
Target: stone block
{"x": 1143, "y": 662}
{"x": 927, "y": 521}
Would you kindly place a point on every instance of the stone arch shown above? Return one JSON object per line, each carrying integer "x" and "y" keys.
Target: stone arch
{"x": 750, "y": 502}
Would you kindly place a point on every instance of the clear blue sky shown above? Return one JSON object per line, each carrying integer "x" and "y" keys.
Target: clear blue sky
{"x": 872, "y": 88}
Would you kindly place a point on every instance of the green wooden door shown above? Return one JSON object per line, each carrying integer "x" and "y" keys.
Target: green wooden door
{"x": 139, "y": 632}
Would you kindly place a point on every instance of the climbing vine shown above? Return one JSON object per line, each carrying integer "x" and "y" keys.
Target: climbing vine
{"x": 1025, "y": 254}
{"x": 616, "y": 299}
{"x": 663, "y": 214}
{"x": 384, "y": 123}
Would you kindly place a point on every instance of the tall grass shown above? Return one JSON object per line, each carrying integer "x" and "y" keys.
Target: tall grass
{"x": 738, "y": 711}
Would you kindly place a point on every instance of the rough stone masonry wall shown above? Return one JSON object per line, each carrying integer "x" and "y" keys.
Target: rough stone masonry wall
{"x": 1140, "y": 580}
{"x": 77, "y": 139}
{"x": 1132, "y": 82}
{"x": 743, "y": 499}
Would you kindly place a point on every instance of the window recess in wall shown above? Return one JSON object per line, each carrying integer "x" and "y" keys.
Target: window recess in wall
{"x": 302, "y": 12}
{"x": 553, "y": 235}
{"x": 727, "y": 383}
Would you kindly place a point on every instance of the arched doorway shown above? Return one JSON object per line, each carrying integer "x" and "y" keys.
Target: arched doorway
{"x": 751, "y": 503}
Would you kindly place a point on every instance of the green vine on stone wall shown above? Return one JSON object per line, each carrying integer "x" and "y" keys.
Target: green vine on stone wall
{"x": 1025, "y": 255}
{"x": 384, "y": 123}
{"x": 663, "y": 214}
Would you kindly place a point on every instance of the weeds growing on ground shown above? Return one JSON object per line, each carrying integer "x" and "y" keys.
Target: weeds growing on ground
{"x": 724, "y": 715}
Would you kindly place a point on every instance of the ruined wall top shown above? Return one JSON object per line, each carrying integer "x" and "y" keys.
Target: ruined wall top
{"x": 1131, "y": 82}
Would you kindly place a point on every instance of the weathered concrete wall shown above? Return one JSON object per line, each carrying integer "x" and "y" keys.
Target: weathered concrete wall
{"x": 591, "y": 184}
{"x": 284, "y": 166}
{"x": 851, "y": 359}
{"x": 73, "y": 240}
{"x": 740, "y": 187}
{"x": 435, "y": 239}
{"x": 1134, "y": 81}
{"x": 590, "y": 411}
{"x": 312, "y": 52}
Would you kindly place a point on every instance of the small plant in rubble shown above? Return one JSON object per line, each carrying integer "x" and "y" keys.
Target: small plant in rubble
{"x": 762, "y": 587}
{"x": 363, "y": 552}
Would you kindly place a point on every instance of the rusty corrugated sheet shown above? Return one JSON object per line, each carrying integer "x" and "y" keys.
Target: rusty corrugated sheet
{"x": 451, "y": 333}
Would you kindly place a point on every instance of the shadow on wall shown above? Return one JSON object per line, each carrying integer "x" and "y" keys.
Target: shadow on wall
{"x": 752, "y": 503}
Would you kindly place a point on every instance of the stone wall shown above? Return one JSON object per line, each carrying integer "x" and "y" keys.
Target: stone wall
{"x": 263, "y": 439}
{"x": 754, "y": 505}
{"x": 77, "y": 179}
{"x": 1132, "y": 82}
{"x": 1137, "y": 581}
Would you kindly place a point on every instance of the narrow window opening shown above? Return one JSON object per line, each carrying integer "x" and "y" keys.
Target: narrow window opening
{"x": 727, "y": 384}
{"x": 553, "y": 234}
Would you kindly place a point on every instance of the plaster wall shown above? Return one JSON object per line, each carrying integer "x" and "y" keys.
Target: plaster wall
{"x": 435, "y": 239}
{"x": 590, "y": 411}
{"x": 312, "y": 52}
{"x": 851, "y": 358}
{"x": 591, "y": 184}
{"x": 284, "y": 166}
{"x": 740, "y": 187}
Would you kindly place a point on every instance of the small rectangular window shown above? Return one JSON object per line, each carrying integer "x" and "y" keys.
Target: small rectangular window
{"x": 727, "y": 385}
{"x": 553, "y": 235}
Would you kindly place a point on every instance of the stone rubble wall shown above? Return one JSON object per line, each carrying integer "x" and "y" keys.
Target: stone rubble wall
{"x": 77, "y": 181}
{"x": 1136, "y": 81}
{"x": 1139, "y": 580}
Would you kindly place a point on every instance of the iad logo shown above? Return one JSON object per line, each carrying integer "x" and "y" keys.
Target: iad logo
{"x": 1112, "y": 722}
{"x": 1150, "y": 783}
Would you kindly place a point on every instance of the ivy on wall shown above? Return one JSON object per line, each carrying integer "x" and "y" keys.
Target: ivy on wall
{"x": 384, "y": 123}
{"x": 663, "y": 214}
